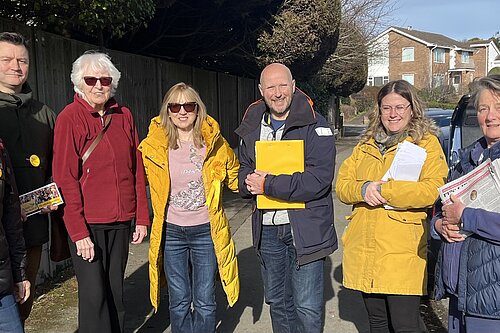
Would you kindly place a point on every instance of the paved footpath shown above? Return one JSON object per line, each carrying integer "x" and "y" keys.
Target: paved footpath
{"x": 344, "y": 311}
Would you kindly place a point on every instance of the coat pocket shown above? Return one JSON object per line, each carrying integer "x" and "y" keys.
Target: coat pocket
{"x": 349, "y": 227}
{"x": 407, "y": 216}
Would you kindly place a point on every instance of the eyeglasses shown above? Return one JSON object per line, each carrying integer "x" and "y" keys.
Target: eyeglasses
{"x": 400, "y": 109}
{"x": 92, "y": 80}
{"x": 176, "y": 107}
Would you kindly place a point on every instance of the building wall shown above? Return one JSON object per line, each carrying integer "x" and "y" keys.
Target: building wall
{"x": 441, "y": 68}
{"x": 480, "y": 60}
{"x": 492, "y": 55}
{"x": 423, "y": 67}
{"x": 419, "y": 67}
{"x": 378, "y": 61}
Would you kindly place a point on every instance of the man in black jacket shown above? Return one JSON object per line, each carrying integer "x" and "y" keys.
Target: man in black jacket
{"x": 292, "y": 244}
{"x": 14, "y": 287}
{"x": 27, "y": 129}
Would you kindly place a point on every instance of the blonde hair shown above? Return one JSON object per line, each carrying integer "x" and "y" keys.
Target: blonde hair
{"x": 177, "y": 92}
{"x": 419, "y": 124}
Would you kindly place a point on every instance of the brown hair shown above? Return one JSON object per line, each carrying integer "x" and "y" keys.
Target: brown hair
{"x": 13, "y": 38}
{"x": 418, "y": 125}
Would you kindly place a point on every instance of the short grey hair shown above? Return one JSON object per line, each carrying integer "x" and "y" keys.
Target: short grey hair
{"x": 97, "y": 61}
{"x": 490, "y": 82}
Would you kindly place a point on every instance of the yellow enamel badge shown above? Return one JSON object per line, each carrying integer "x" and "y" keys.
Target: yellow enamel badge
{"x": 35, "y": 160}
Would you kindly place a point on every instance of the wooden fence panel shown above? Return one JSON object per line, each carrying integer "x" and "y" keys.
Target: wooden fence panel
{"x": 205, "y": 82}
{"x": 171, "y": 73}
{"x": 55, "y": 57}
{"x": 228, "y": 107}
{"x": 137, "y": 88}
{"x": 246, "y": 95}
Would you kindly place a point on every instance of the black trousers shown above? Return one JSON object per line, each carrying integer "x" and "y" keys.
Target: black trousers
{"x": 394, "y": 313}
{"x": 100, "y": 282}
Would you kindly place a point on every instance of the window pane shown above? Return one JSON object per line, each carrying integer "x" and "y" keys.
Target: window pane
{"x": 439, "y": 55}
{"x": 378, "y": 81}
{"x": 407, "y": 54}
{"x": 410, "y": 78}
{"x": 465, "y": 57}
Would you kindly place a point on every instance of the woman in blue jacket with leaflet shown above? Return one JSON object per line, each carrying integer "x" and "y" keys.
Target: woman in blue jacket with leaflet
{"x": 468, "y": 267}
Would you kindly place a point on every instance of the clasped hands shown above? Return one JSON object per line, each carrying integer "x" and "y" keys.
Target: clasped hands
{"x": 372, "y": 194}
{"x": 449, "y": 225}
{"x": 255, "y": 182}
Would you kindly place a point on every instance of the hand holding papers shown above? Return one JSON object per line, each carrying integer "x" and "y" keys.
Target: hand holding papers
{"x": 480, "y": 188}
{"x": 279, "y": 157}
{"x": 407, "y": 164}
{"x": 34, "y": 201}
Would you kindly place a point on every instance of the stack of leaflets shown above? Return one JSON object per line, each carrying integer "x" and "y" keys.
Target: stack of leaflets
{"x": 407, "y": 164}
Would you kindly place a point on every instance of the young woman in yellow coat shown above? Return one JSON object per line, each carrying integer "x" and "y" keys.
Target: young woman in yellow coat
{"x": 187, "y": 162}
{"x": 385, "y": 250}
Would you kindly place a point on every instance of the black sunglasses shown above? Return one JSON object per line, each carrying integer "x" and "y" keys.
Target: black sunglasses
{"x": 176, "y": 107}
{"x": 91, "y": 80}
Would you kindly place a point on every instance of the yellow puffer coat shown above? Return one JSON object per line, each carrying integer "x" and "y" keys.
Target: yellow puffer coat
{"x": 220, "y": 167}
{"x": 385, "y": 251}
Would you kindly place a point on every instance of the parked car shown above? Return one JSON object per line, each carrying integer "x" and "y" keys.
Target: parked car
{"x": 463, "y": 129}
{"x": 442, "y": 118}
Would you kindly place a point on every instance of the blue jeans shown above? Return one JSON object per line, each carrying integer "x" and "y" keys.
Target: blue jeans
{"x": 190, "y": 266}
{"x": 294, "y": 293}
{"x": 10, "y": 322}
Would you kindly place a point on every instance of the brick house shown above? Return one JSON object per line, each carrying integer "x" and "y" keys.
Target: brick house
{"x": 428, "y": 59}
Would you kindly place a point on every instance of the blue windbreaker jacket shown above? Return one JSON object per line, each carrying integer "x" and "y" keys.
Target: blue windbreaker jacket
{"x": 312, "y": 227}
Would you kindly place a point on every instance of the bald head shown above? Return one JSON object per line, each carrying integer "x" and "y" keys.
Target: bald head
{"x": 274, "y": 68}
{"x": 277, "y": 87}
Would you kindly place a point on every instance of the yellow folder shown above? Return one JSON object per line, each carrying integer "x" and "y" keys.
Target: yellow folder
{"x": 278, "y": 158}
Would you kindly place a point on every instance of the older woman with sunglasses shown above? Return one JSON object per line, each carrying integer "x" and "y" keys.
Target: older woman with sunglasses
{"x": 187, "y": 163}
{"x": 100, "y": 173}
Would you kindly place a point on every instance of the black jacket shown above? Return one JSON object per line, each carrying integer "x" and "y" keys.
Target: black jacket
{"x": 12, "y": 247}
{"x": 27, "y": 128}
{"x": 313, "y": 228}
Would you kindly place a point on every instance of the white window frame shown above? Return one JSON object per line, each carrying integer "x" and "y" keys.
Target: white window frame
{"x": 410, "y": 78}
{"x": 438, "y": 60}
{"x": 407, "y": 54}
{"x": 457, "y": 77}
{"x": 465, "y": 57}
{"x": 370, "y": 81}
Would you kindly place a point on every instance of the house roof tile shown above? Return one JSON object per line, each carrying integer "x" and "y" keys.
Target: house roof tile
{"x": 433, "y": 38}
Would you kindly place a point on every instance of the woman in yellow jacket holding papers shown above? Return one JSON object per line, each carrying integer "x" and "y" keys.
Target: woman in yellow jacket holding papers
{"x": 385, "y": 243}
